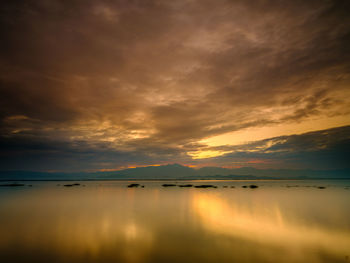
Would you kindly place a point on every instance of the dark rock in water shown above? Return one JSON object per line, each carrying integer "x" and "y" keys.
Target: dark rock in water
{"x": 225, "y": 186}
{"x": 232, "y": 187}
{"x": 205, "y": 186}
{"x": 321, "y": 187}
{"x": 133, "y": 185}
{"x": 244, "y": 186}
{"x": 142, "y": 186}
{"x": 11, "y": 185}
{"x": 70, "y": 185}
{"x": 185, "y": 185}
{"x": 168, "y": 185}
{"x": 252, "y": 186}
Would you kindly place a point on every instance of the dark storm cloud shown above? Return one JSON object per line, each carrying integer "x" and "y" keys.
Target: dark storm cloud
{"x": 46, "y": 154}
{"x": 153, "y": 78}
{"x": 326, "y": 149}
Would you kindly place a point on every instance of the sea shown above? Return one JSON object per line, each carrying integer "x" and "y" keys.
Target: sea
{"x": 175, "y": 221}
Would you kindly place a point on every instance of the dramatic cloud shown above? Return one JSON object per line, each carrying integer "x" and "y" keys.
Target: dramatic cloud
{"x": 109, "y": 84}
{"x": 326, "y": 149}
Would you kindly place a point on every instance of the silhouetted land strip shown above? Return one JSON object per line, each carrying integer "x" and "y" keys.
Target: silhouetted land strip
{"x": 11, "y": 185}
{"x": 133, "y": 185}
{"x": 206, "y": 186}
{"x": 168, "y": 185}
{"x": 70, "y": 185}
{"x": 173, "y": 172}
{"x": 252, "y": 186}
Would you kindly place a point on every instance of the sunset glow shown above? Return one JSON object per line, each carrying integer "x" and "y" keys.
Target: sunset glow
{"x": 104, "y": 85}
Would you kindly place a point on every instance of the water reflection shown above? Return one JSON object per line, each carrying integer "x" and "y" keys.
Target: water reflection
{"x": 268, "y": 227}
{"x": 107, "y": 222}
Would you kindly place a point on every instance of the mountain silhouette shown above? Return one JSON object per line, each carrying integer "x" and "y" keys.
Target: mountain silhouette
{"x": 177, "y": 171}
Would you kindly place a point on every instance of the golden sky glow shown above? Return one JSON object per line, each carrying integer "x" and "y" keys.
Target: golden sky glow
{"x": 118, "y": 84}
{"x": 261, "y": 133}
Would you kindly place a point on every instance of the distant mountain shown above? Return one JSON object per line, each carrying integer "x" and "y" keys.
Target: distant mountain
{"x": 275, "y": 173}
{"x": 157, "y": 172}
{"x": 177, "y": 171}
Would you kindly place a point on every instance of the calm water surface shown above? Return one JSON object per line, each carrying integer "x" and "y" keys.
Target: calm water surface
{"x": 107, "y": 222}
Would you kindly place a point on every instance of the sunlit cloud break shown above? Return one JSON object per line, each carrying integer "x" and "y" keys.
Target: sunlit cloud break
{"x": 104, "y": 85}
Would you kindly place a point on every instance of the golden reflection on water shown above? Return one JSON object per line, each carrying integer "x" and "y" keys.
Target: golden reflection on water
{"x": 111, "y": 223}
{"x": 266, "y": 226}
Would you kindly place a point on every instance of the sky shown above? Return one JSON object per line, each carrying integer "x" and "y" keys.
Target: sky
{"x": 105, "y": 85}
